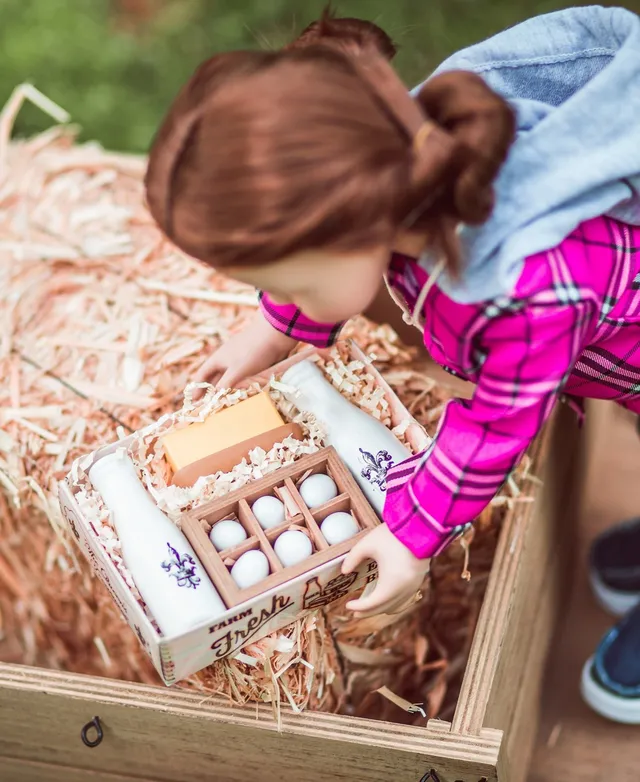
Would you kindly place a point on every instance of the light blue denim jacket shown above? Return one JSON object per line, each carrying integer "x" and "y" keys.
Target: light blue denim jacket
{"x": 573, "y": 78}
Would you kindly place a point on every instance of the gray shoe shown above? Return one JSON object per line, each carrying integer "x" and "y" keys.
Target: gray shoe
{"x": 615, "y": 568}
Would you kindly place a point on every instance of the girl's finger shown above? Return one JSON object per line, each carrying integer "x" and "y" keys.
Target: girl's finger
{"x": 198, "y": 393}
{"x": 230, "y": 377}
{"x": 384, "y": 594}
{"x": 210, "y": 367}
{"x": 395, "y": 606}
{"x": 358, "y": 554}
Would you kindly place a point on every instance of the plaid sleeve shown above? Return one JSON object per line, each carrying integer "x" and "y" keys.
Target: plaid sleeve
{"x": 527, "y": 356}
{"x": 289, "y": 320}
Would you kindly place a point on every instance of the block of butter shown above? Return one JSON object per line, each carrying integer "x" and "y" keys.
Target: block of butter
{"x": 225, "y": 438}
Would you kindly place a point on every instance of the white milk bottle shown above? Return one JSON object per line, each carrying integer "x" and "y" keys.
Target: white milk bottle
{"x": 364, "y": 444}
{"x": 164, "y": 567}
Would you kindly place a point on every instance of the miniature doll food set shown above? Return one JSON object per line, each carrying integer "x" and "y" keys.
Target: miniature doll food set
{"x": 230, "y": 519}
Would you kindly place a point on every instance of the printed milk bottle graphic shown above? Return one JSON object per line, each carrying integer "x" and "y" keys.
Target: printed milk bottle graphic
{"x": 364, "y": 444}
{"x": 164, "y": 567}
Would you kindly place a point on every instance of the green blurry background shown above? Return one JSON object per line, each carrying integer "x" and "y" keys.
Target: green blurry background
{"x": 116, "y": 64}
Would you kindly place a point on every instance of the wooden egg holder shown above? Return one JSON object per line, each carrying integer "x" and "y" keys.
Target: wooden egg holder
{"x": 237, "y": 505}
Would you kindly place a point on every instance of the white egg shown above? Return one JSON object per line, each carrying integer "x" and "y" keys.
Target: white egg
{"x": 339, "y": 527}
{"x": 227, "y": 534}
{"x": 318, "y": 489}
{"x": 292, "y": 547}
{"x": 269, "y": 511}
{"x": 250, "y": 569}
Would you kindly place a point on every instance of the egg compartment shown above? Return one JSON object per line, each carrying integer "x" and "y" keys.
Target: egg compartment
{"x": 341, "y": 502}
{"x": 284, "y": 484}
{"x": 207, "y": 525}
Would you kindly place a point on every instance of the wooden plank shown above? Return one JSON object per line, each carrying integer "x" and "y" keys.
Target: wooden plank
{"x": 517, "y": 573}
{"x": 517, "y": 749}
{"x": 540, "y": 594}
{"x": 496, "y": 610}
{"x": 179, "y": 736}
{"x": 16, "y": 770}
{"x": 522, "y": 671}
{"x": 551, "y": 525}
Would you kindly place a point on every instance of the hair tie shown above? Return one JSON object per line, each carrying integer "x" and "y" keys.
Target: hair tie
{"x": 424, "y": 131}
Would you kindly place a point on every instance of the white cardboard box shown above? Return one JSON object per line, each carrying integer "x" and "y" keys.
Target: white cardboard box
{"x": 180, "y": 656}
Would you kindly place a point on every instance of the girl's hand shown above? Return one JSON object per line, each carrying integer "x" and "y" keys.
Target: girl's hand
{"x": 248, "y": 352}
{"x": 400, "y": 573}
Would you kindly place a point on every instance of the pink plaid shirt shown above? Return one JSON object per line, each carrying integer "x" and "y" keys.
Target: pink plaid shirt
{"x": 571, "y": 328}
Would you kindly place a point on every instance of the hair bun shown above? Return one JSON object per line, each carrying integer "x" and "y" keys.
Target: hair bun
{"x": 353, "y": 35}
{"x": 482, "y": 126}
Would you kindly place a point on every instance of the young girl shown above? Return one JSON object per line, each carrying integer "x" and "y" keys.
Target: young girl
{"x": 500, "y": 204}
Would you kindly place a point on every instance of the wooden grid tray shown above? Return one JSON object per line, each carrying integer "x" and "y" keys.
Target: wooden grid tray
{"x": 237, "y": 505}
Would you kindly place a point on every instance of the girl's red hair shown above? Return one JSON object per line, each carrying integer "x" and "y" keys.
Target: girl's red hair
{"x": 267, "y": 154}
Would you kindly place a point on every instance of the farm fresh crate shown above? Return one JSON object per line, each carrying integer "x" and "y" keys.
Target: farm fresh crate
{"x": 278, "y": 600}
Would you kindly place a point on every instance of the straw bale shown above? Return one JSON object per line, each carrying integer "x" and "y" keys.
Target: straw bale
{"x": 102, "y": 322}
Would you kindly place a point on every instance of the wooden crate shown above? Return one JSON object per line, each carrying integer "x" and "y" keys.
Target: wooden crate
{"x": 152, "y": 733}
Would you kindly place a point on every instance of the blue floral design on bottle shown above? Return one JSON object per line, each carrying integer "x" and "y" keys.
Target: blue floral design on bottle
{"x": 376, "y": 467}
{"x": 185, "y": 568}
